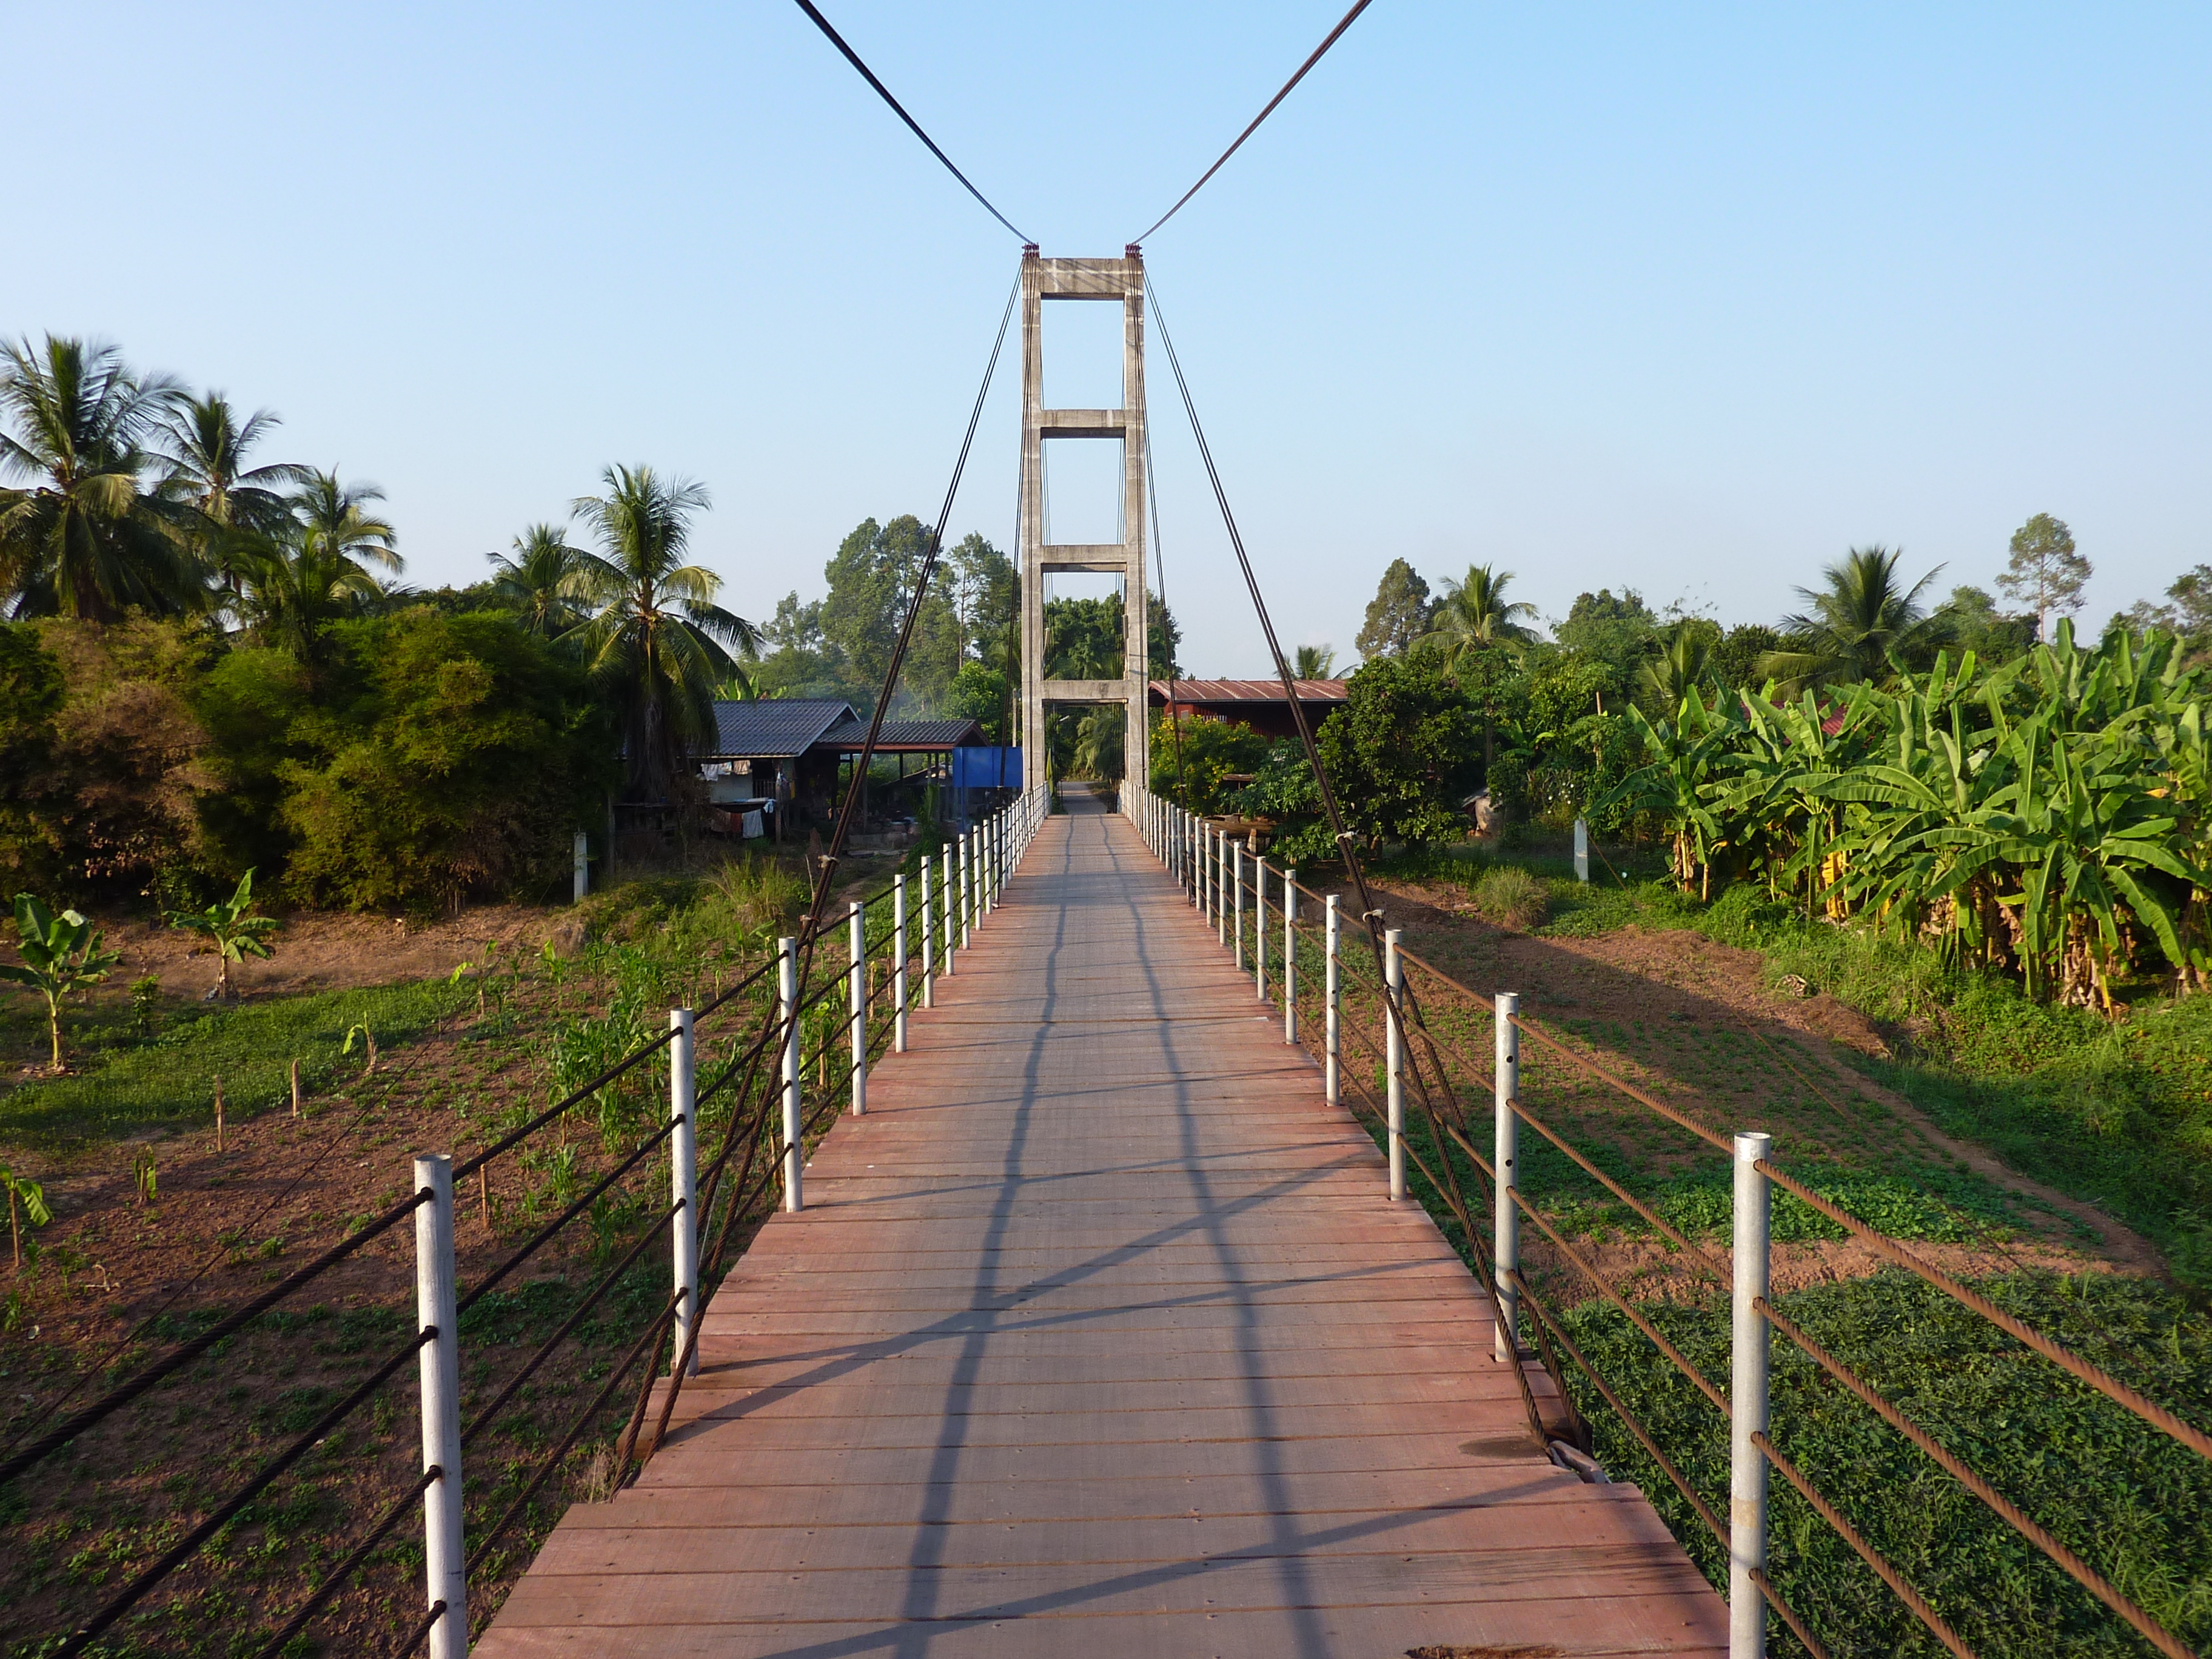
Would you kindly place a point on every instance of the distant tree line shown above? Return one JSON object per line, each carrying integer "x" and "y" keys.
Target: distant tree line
{"x": 1460, "y": 694}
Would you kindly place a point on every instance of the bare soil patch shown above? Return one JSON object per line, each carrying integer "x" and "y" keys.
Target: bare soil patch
{"x": 326, "y": 950}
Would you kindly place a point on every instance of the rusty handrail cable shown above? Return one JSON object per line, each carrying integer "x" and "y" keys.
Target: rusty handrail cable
{"x": 2006, "y": 1510}
{"x": 488, "y": 1415}
{"x": 133, "y": 1332}
{"x": 334, "y": 1581}
{"x": 186, "y": 1546}
{"x": 1666, "y": 1464}
{"x": 1591, "y": 1066}
{"x": 123, "y": 1393}
{"x": 2104, "y": 1384}
{"x": 575, "y": 1096}
{"x": 553, "y": 1459}
{"x": 1883, "y": 1569}
{"x": 1718, "y": 1400}
{"x": 538, "y": 1240}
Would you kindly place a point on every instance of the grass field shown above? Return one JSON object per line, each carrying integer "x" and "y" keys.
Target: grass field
{"x": 2118, "y": 1115}
{"x": 2114, "y": 1116}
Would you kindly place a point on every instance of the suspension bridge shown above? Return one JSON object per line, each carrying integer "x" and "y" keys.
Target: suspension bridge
{"x": 1100, "y": 1311}
{"x": 1099, "y": 1333}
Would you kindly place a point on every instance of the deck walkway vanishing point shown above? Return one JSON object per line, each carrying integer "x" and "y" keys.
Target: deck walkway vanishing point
{"x": 1099, "y": 1335}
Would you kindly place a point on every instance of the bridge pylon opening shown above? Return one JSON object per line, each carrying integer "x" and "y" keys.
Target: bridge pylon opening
{"x": 1101, "y": 282}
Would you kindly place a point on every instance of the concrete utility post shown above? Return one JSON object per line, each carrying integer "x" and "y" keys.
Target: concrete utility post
{"x": 1109, "y": 280}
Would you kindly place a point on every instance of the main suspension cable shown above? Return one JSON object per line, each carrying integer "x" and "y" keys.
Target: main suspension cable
{"x": 1343, "y": 23}
{"x": 899, "y": 109}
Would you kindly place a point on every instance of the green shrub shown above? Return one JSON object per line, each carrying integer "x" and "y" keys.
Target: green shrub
{"x": 1513, "y": 898}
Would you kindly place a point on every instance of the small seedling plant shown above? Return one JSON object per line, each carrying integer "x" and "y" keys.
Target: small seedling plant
{"x": 233, "y": 930}
{"x": 25, "y": 1200}
{"x": 61, "y": 955}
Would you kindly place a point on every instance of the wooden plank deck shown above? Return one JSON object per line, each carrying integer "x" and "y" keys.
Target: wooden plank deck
{"x": 1100, "y": 1336}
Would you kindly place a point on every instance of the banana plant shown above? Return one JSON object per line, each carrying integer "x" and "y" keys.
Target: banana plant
{"x": 31, "y": 1198}
{"x": 233, "y": 930}
{"x": 61, "y": 955}
{"x": 1674, "y": 785}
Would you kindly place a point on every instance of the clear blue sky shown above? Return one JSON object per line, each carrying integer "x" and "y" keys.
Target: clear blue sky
{"x": 1687, "y": 298}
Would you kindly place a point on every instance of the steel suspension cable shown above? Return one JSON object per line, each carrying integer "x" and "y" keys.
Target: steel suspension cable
{"x": 899, "y": 110}
{"x": 1343, "y": 23}
{"x": 812, "y": 930}
{"x": 1404, "y": 1004}
{"x": 1160, "y": 565}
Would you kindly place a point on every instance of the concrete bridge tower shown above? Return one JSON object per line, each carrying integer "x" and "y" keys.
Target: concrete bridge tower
{"x": 1120, "y": 282}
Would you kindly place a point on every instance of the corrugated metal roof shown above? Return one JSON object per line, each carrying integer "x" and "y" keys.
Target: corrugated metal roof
{"x": 903, "y": 734}
{"x": 773, "y": 727}
{"x": 1205, "y": 692}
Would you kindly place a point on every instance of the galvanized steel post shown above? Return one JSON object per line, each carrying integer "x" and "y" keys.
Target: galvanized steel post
{"x": 445, "y": 1562}
{"x": 1747, "y": 1405}
{"x": 929, "y": 944}
{"x": 1331, "y": 999}
{"x": 786, "y": 1010}
{"x": 1236, "y": 895}
{"x": 1259, "y": 927}
{"x": 952, "y": 926}
{"x": 898, "y": 963}
{"x": 1290, "y": 955}
{"x": 856, "y": 996}
{"x": 1394, "y": 980}
{"x": 1505, "y": 1240}
{"x": 683, "y": 1177}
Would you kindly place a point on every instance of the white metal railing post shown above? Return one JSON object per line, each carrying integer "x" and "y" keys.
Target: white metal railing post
{"x": 1331, "y": 999}
{"x": 1221, "y": 855}
{"x": 683, "y": 1176}
{"x": 787, "y": 988}
{"x": 1505, "y": 1240}
{"x": 856, "y": 996}
{"x": 1290, "y": 955}
{"x": 898, "y": 963}
{"x": 1747, "y": 1405}
{"x": 1236, "y": 896}
{"x": 1393, "y": 978}
{"x": 445, "y": 1562}
{"x": 967, "y": 886}
{"x": 1259, "y": 927}
{"x": 952, "y": 926}
{"x": 928, "y": 943}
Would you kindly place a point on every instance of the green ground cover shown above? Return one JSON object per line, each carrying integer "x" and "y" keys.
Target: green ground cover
{"x": 2130, "y": 1501}
{"x": 2117, "y": 1114}
{"x": 125, "y": 1083}
{"x": 2126, "y": 1499}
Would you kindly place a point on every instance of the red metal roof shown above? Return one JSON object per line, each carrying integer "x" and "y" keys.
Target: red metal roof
{"x": 1193, "y": 693}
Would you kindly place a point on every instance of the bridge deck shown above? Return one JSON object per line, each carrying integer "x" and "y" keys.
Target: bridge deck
{"x": 1100, "y": 1336}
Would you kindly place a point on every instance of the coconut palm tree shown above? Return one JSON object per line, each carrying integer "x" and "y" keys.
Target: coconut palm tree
{"x": 1684, "y": 662}
{"x": 314, "y": 568}
{"x": 531, "y": 581}
{"x": 205, "y": 445}
{"x": 657, "y": 642}
{"x": 1856, "y": 623}
{"x": 1313, "y": 662}
{"x": 1473, "y": 615}
{"x": 238, "y": 509}
{"x": 85, "y": 538}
